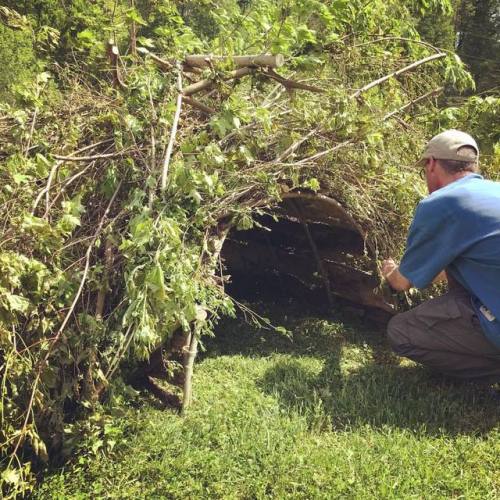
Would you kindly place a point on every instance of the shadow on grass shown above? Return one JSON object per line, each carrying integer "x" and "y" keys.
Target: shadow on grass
{"x": 360, "y": 384}
{"x": 381, "y": 397}
{"x": 312, "y": 332}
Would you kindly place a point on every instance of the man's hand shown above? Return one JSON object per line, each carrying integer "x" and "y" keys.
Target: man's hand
{"x": 388, "y": 266}
{"x": 390, "y": 271}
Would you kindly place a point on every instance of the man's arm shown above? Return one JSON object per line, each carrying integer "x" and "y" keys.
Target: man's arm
{"x": 390, "y": 271}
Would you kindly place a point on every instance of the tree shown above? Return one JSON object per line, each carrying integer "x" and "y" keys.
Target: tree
{"x": 478, "y": 28}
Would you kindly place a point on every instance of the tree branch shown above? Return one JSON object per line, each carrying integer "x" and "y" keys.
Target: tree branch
{"x": 397, "y": 73}
{"x": 173, "y": 132}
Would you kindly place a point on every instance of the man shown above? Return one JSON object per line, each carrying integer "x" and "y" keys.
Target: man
{"x": 455, "y": 235}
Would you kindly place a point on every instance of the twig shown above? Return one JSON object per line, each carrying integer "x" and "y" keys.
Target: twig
{"x": 173, "y": 132}
{"x": 32, "y": 131}
{"x": 263, "y": 60}
{"x": 414, "y": 65}
{"x": 163, "y": 63}
{"x": 133, "y": 33}
{"x": 53, "y": 171}
{"x": 65, "y": 187}
{"x": 432, "y": 93}
{"x": 295, "y": 146}
{"x": 325, "y": 152}
{"x": 92, "y": 158}
{"x": 114, "y": 57}
{"x": 402, "y": 39}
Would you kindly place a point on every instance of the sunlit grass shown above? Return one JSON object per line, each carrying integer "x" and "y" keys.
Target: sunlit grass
{"x": 327, "y": 414}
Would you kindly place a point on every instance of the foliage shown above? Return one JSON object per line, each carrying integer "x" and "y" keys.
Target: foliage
{"x": 99, "y": 265}
{"x": 16, "y": 58}
{"x": 328, "y": 414}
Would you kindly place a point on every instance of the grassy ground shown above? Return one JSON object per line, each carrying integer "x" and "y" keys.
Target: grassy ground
{"x": 327, "y": 414}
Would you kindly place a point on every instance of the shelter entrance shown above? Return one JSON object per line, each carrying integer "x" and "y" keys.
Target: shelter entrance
{"x": 309, "y": 249}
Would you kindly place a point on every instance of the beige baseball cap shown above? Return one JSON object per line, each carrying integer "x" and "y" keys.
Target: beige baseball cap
{"x": 446, "y": 146}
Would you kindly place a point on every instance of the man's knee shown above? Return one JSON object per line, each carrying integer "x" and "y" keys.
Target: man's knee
{"x": 397, "y": 330}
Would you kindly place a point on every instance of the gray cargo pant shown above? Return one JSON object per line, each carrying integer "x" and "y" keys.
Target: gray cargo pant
{"x": 444, "y": 334}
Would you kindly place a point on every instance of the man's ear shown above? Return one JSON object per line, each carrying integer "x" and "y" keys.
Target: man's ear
{"x": 432, "y": 162}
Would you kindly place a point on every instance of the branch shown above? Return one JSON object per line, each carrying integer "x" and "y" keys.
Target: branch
{"x": 114, "y": 58}
{"x": 317, "y": 257}
{"x": 205, "y": 84}
{"x": 197, "y": 104}
{"x": 173, "y": 132}
{"x": 165, "y": 64}
{"x": 56, "y": 165}
{"x": 91, "y": 158}
{"x": 262, "y": 60}
{"x": 397, "y": 73}
{"x": 295, "y": 146}
{"x": 432, "y": 93}
{"x": 189, "y": 357}
{"x": 325, "y": 152}
{"x": 291, "y": 84}
{"x": 401, "y": 39}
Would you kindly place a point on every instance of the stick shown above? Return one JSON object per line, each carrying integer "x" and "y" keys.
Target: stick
{"x": 295, "y": 146}
{"x": 173, "y": 133}
{"x": 291, "y": 84}
{"x": 91, "y": 158}
{"x": 32, "y": 131}
{"x": 432, "y": 93}
{"x": 205, "y": 84}
{"x": 189, "y": 357}
{"x": 114, "y": 57}
{"x": 325, "y": 152}
{"x": 163, "y": 63}
{"x": 133, "y": 33}
{"x": 397, "y": 73}
{"x": 317, "y": 257}
{"x": 262, "y": 60}
{"x": 401, "y": 39}
{"x": 197, "y": 104}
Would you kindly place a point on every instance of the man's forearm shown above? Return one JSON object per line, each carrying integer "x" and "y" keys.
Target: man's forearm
{"x": 398, "y": 281}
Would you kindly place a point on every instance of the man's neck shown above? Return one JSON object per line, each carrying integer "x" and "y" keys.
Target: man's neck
{"x": 449, "y": 179}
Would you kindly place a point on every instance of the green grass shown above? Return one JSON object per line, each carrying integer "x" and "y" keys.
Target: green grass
{"x": 328, "y": 414}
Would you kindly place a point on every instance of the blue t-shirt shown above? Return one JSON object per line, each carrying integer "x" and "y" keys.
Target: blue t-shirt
{"x": 457, "y": 228}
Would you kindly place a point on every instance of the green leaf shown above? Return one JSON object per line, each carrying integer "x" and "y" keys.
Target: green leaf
{"x": 11, "y": 476}
{"x": 17, "y": 303}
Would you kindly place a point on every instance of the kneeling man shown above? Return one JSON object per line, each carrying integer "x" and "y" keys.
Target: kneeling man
{"x": 455, "y": 235}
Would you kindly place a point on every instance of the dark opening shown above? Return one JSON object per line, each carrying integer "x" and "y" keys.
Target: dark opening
{"x": 304, "y": 248}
